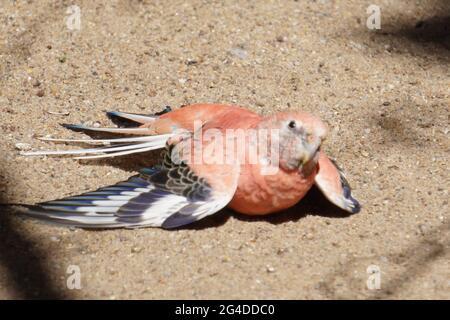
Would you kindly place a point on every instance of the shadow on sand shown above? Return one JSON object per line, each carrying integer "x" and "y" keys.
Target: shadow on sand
{"x": 23, "y": 261}
{"x": 421, "y": 36}
{"x": 314, "y": 203}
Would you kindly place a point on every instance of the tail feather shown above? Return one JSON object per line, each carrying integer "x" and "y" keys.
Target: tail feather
{"x": 130, "y": 120}
{"x": 82, "y": 128}
{"x": 147, "y": 143}
{"x": 105, "y": 141}
{"x": 127, "y": 120}
{"x": 113, "y": 147}
{"x": 121, "y": 153}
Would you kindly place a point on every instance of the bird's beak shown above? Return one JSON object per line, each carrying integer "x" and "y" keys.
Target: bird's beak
{"x": 309, "y": 164}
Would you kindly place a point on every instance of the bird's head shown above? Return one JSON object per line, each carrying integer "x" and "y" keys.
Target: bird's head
{"x": 299, "y": 139}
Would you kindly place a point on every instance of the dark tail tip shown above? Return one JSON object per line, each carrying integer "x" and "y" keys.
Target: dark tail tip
{"x": 165, "y": 110}
{"x": 73, "y": 127}
{"x": 120, "y": 121}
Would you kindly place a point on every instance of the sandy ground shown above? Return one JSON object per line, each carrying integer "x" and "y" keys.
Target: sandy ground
{"x": 385, "y": 95}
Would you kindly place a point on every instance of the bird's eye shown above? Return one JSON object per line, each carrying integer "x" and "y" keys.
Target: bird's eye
{"x": 292, "y": 124}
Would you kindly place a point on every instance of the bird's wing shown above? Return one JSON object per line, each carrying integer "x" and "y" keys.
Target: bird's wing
{"x": 168, "y": 196}
{"x": 331, "y": 181}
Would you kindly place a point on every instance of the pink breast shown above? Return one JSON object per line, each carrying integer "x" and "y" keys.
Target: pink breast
{"x": 264, "y": 194}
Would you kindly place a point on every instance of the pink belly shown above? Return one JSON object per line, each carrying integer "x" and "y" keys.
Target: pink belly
{"x": 260, "y": 195}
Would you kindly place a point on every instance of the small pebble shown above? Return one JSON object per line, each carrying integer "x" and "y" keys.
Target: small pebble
{"x": 281, "y": 38}
{"x": 309, "y": 236}
{"x": 136, "y": 249}
{"x": 191, "y": 62}
{"x": 259, "y": 103}
{"x": 40, "y": 93}
{"x": 238, "y": 52}
{"x": 62, "y": 113}
{"x": 270, "y": 269}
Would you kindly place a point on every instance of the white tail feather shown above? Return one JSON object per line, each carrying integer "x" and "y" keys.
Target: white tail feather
{"x": 108, "y": 141}
{"x": 122, "y": 153}
{"x": 150, "y": 143}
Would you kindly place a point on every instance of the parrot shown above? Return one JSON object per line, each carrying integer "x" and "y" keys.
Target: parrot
{"x": 199, "y": 173}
